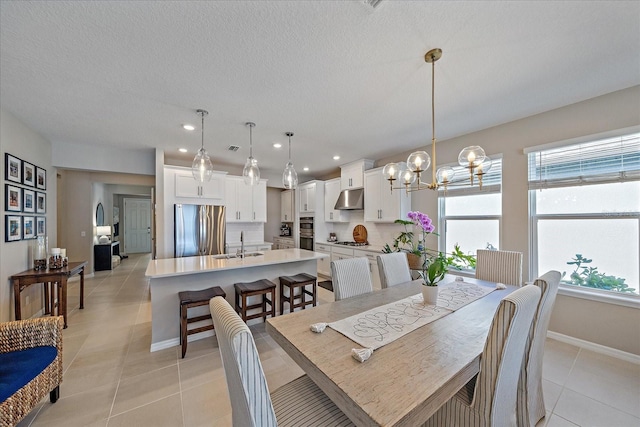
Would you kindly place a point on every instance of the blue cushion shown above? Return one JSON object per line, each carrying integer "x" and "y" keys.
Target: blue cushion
{"x": 17, "y": 368}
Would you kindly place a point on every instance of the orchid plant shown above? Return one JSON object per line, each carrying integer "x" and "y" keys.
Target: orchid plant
{"x": 434, "y": 263}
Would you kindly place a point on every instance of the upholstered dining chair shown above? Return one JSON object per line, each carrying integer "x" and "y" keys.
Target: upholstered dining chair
{"x": 298, "y": 403}
{"x": 530, "y": 399}
{"x": 499, "y": 266}
{"x": 490, "y": 398}
{"x": 350, "y": 277}
{"x": 394, "y": 269}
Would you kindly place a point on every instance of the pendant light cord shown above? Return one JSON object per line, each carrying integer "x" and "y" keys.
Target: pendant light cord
{"x": 250, "y": 141}
{"x": 433, "y": 121}
{"x": 202, "y": 130}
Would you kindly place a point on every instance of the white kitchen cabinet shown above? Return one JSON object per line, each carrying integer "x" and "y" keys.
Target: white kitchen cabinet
{"x": 324, "y": 267}
{"x": 283, "y": 243}
{"x": 286, "y": 206}
{"x": 351, "y": 174}
{"x": 331, "y": 193}
{"x": 213, "y": 191}
{"x": 307, "y": 197}
{"x": 245, "y": 203}
{"x": 380, "y": 204}
{"x": 341, "y": 253}
{"x": 373, "y": 266}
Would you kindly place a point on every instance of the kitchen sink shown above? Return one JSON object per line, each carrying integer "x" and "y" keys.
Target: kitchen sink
{"x": 232, "y": 256}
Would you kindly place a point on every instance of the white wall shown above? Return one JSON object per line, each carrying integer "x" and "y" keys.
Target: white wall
{"x": 105, "y": 159}
{"x": 20, "y": 141}
{"x": 618, "y": 110}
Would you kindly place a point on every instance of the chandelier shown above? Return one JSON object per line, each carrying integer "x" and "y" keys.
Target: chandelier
{"x": 289, "y": 176}
{"x": 410, "y": 174}
{"x": 202, "y": 168}
{"x": 251, "y": 172}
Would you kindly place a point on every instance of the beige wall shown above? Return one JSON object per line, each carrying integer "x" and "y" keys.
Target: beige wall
{"x": 618, "y": 110}
{"x": 272, "y": 226}
{"x": 20, "y": 141}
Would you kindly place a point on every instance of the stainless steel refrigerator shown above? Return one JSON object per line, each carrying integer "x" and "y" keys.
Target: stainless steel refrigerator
{"x": 199, "y": 230}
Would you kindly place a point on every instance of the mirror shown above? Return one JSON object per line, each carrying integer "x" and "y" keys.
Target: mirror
{"x": 99, "y": 214}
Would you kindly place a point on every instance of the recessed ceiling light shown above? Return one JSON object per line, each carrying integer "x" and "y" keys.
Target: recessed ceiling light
{"x": 306, "y": 169}
{"x": 182, "y": 150}
{"x": 336, "y": 157}
{"x": 277, "y": 145}
{"x": 188, "y": 127}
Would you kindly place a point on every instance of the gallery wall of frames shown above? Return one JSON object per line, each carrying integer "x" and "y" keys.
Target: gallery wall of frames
{"x": 25, "y": 204}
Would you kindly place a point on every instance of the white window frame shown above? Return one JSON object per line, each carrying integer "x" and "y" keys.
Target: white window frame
{"x": 467, "y": 190}
{"x": 624, "y": 299}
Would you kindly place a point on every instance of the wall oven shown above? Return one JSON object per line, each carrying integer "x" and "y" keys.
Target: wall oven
{"x": 306, "y": 233}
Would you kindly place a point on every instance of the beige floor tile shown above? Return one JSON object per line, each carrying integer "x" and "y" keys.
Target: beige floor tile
{"x": 206, "y": 405}
{"x": 201, "y": 370}
{"x": 551, "y": 393}
{"x": 90, "y": 408}
{"x": 608, "y": 380}
{"x": 140, "y": 360}
{"x": 200, "y": 348}
{"x": 556, "y": 421}
{"x": 146, "y": 388}
{"x": 26, "y": 421}
{"x": 70, "y": 348}
{"x": 165, "y": 412}
{"x": 558, "y": 361}
{"x": 92, "y": 369}
{"x": 586, "y": 412}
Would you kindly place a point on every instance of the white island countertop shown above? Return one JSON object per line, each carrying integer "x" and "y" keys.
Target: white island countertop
{"x": 172, "y": 267}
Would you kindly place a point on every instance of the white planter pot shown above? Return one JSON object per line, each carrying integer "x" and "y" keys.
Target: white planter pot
{"x": 430, "y": 294}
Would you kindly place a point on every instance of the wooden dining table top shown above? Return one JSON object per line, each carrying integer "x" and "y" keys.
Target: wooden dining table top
{"x": 403, "y": 382}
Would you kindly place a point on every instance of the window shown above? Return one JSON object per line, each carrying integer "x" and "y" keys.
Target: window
{"x": 584, "y": 202}
{"x": 469, "y": 215}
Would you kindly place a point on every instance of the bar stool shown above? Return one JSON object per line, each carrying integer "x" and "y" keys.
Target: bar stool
{"x": 259, "y": 287}
{"x": 294, "y": 282}
{"x": 191, "y": 299}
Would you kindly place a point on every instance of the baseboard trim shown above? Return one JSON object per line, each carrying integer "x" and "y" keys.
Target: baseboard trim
{"x": 597, "y": 348}
{"x": 173, "y": 342}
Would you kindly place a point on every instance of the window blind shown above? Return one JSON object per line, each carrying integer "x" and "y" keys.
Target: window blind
{"x": 594, "y": 162}
{"x": 461, "y": 185}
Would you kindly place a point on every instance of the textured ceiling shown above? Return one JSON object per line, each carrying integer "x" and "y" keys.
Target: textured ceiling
{"x": 348, "y": 80}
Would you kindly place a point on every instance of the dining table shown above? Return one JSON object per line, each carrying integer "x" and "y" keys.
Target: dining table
{"x": 403, "y": 382}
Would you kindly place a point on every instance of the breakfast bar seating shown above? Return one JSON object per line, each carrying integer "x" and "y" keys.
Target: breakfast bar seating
{"x": 298, "y": 282}
{"x": 260, "y": 288}
{"x": 192, "y": 299}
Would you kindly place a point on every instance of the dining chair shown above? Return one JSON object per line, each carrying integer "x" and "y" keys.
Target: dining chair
{"x": 394, "y": 269}
{"x": 530, "y": 407}
{"x": 499, "y": 266}
{"x": 350, "y": 277}
{"x": 489, "y": 399}
{"x": 298, "y": 403}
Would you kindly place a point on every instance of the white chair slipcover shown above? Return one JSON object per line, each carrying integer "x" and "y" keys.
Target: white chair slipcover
{"x": 499, "y": 266}
{"x": 530, "y": 398}
{"x": 350, "y": 277}
{"x": 298, "y": 403}
{"x": 394, "y": 269}
{"x": 490, "y": 398}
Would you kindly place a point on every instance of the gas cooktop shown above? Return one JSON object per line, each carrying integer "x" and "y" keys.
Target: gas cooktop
{"x": 352, "y": 243}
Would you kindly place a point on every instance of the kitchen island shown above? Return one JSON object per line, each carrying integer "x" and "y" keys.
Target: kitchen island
{"x": 169, "y": 276}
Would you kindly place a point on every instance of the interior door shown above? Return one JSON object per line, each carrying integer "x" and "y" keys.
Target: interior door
{"x": 137, "y": 224}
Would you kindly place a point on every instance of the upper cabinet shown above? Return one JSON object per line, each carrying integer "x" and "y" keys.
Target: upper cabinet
{"x": 307, "y": 197}
{"x": 286, "y": 206}
{"x": 351, "y": 174}
{"x": 380, "y": 203}
{"x": 245, "y": 203}
{"x": 331, "y": 193}
{"x": 213, "y": 191}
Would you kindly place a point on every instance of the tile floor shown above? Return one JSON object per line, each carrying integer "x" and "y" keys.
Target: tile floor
{"x": 111, "y": 378}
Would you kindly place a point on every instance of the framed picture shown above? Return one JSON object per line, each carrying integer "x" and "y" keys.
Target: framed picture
{"x": 13, "y": 168}
{"x": 41, "y": 226}
{"x": 13, "y": 198}
{"x": 41, "y": 202}
{"x": 13, "y": 230}
{"x": 28, "y": 227}
{"x": 29, "y": 200}
{"x": 41, "y": 178}
{"x": 28, "y": 174}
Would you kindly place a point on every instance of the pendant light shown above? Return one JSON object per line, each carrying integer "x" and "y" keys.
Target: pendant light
{"x": 251, "y": 172}
{"x": 202, "y": 168}
{"x": 289, "y": 176}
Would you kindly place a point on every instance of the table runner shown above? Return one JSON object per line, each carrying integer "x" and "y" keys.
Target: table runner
{"x": 381, "y": 325}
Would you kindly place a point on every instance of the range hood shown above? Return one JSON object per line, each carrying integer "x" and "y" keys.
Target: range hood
{"x": 350, "y": 199}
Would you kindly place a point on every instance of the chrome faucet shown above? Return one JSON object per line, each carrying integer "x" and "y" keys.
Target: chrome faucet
{"x": 242, "y": 244}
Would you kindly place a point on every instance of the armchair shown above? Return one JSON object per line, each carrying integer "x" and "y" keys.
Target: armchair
{"x": 30, "y": 365}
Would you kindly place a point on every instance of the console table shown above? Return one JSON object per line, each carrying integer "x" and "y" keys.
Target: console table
{"x": 58, "y": 276}
{"x": 102, "y": 255}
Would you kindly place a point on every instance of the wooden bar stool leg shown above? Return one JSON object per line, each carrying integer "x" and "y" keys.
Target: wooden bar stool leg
{"x": 282, "y": 297}
{"x": 184, "y": 338}
{"x": 47, "y": 309}
{"x": 315, "y": 293}
{"x": 273, "y": 305}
